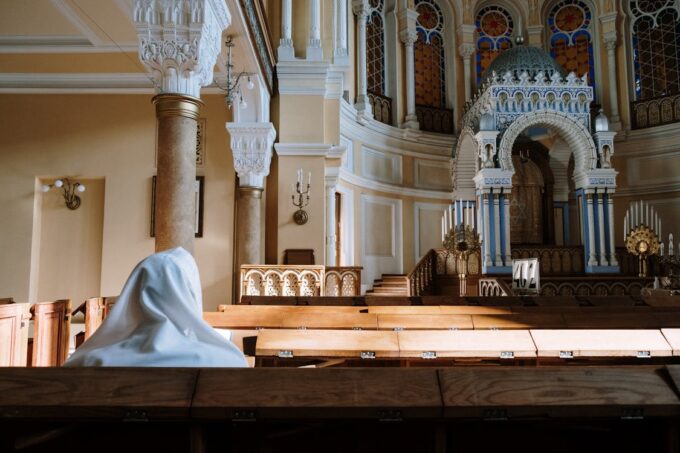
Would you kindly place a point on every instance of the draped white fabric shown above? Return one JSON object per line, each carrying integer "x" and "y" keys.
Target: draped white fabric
{"x": 157, "y": 321}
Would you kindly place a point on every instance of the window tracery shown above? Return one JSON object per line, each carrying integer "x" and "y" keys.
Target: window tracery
{"x": 571, "y": 45}
{"x": 375, "y": 48}
{"x": 429, "y": 55}
{"x": 494, "y": 30}
{"x": 656, "y": 47}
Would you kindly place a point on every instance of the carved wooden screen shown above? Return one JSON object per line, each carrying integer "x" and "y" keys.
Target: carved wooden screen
{"x": 656, "y": 47}
{"x": 494, "y": 29}
{"x": 569, "y": 24}
{"x": 375, "y": 49}
{"x": 429, "y": 56}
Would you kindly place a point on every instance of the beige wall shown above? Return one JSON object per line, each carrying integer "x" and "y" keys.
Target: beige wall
{"x": 111, "y": 138}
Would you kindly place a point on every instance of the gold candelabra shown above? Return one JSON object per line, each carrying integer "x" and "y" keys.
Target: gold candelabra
{"x": 642, "y": 242}
{"x": 461, "y": 241}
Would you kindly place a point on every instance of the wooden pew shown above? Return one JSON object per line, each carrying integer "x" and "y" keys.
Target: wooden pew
{"x": 672, "y": 336}
{"x": 289, "y": 319}
{"x": 14, "y": 320}
{"x": 299, "y": 309}
{"x": 424, "y": 322}
{"x": 499, "y": 344}
{"x": 95, "y": 309}
{"x": 6, "y": 300}
{"x": 356, "y": 344}
{"x": 611, "y": 320}
{"x": 519, "y": 321}
{"x": 601, "y": 343}
{"x": 51, "y": 326}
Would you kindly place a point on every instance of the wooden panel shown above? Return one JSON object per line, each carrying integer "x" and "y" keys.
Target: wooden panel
{"x": 13, "y": 334}
{"x": 672, "y": 336}
{"x": 431, "y": 322}
{"x": 263, "y": 393}
{"x": 662, "y": 301}
{"x": 290, "y": 320}
{"x": 519, "y": 321}
{"x": 6, "y": 300}
{"x": 611, "y": 320}
{"x": 600, "y": 343}
{"x": 93, "y": 392}
{"x": 475, "y": 310}
{"x": 405, "y": 310}
{"x": 466, "y": 343}
{"x": 289, "y": 309}
{"x": 556, "y": 391}
{"x": 328, "y": 343}
{"x": 51, "y": 325}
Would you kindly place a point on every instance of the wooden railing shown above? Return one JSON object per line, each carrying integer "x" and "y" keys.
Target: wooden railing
{"x": 299, "y": 280}
{"x": 554, "y": 260}
{"x": 493, "y": 287}
{"x": 342, "y": 281}
{"x": 420, "y": 278}
{"x": 433, "y": 119}
{"x": 382, "y": 107}
{"x": 448, "y": 265}
{"x": 656, "y": 111}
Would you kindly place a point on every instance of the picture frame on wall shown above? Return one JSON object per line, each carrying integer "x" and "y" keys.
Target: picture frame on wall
{"x": 198, "y": 206}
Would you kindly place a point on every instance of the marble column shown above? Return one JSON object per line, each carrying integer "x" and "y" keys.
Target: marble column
{"x": 486, "y": 239}
{"x": 286, "y": 50}
{"x": 179, "y": 48}
{"x": 331, "y": 180}
{"x": 600, "y": 225}
{"x": 506, "y": 226}
{"x": 497, "y": 229}
{"x": 362, "y": 105}
{"x": 409, "y": 37}
{"x": 610, "y": 43}
{"x": 341, "y": 54}
{"x": 592, "y": 261}
{"x": 251, "y": 146}
{"x": 466, "y": 50}
{"x": 612, "y": 245}
{"x": 314, "y": 49}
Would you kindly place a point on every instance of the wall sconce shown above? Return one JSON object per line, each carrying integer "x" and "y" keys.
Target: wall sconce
{"x": 69, "y": 189}
{"x": 301, "y": 197}
{"x": 233, "y": 88}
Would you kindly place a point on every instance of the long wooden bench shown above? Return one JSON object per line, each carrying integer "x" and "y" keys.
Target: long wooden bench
{"x": 643, "y": 344}
{"x": 287, "y": 319}
{"x": 468, "y": 344}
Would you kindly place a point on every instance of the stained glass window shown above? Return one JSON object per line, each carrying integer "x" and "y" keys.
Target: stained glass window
{"x": 375, "y": 49}
{"x": 429, "y": 55}
{"x": 656, "y": 47}
{"x": 569, "y": 24}
{"x": 494, "y": 31}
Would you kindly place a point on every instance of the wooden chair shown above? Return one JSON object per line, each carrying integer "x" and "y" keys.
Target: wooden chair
{"x": 51, "y": 326}
{"x": 95, "y": 310}
{"x": 13, "y": 334}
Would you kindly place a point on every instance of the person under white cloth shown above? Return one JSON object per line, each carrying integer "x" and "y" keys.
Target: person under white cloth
{"x": 157, "y": 321}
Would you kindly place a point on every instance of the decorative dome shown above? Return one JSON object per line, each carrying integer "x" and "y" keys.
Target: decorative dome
{"x": 524, "y": 58}
{"x": 601, "y": 122}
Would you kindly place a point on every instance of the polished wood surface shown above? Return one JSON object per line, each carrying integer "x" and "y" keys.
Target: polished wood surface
{"x": 429, "y": 322}
{"x": 601, "y": 343}
{"x": 51, "y": 327}
{"x": 477, "y": 343}
{"x": 288, "y": 319}
{"x": 519, "y": 321}
{"x": 328, "y": 343}
{"x": 672, "y": 336}
{"x": 14, "y": 320}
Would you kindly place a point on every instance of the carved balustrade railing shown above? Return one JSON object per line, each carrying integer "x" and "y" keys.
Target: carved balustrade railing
{"x": 594, "y": 286}
{"x": 420, "y": 278}
{"x": 448, "y": 265}
{"x": 342, "y": 281}
{"x": 553, "y": 260}
{"x": 433, "y": 119}
{"x": 299, "y": 280}
{"x": 382, "y": 107}
{"x": 656, "y": 111}
{"x": 493, "y": 287}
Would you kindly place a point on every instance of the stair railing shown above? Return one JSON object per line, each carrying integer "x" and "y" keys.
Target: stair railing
{"x": 421, "y": 277}
{"x": 491, "y": 286}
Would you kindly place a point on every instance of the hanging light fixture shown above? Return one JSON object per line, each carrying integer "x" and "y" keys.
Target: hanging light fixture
{"x": 69, "y": 191}
{"x": 233, "y": 88}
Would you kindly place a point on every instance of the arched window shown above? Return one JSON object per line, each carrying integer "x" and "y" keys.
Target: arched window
{"x": 656, "y": 47}
{"x": 571, "y": 44}
{"x": 375, "y": 48}
{"x": 429, "y": 56}
{"x": 494, "y": 31}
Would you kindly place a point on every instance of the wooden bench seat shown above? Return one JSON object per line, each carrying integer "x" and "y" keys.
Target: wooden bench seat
{"x": 327, "y": 343}
{"x": 672, "y": 336}
{"x": 612, "y": 320}
{"x": 424, "y": 322}
{"x": 286, "y": 319}
{"x": 601, "y": 343}
{"x": 467, "y": 343}
{"x": 519, "y": 321}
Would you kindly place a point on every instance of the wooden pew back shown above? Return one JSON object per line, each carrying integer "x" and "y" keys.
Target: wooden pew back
{"x": 14, "y": 320}
{"x": 51, "y": 327}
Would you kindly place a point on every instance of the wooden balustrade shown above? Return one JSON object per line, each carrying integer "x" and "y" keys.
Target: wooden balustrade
{"x": 553, "y": 260}
{"x": 433, "y": 119}
{"x": 420, "y": 278}
{"x": 656, "y": 111}
{"x": 493, "y": 287}
{"x": 382, "y": 107}
{"x": 342, "y": 281}
{"x": 448, "y": 265}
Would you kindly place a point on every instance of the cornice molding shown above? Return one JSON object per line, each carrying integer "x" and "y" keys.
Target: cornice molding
{"x": 364, "y": 183}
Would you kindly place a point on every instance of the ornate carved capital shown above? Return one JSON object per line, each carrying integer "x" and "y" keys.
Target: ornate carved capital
{"x": 361, "y": 8}
{"x": 466, "y": 50}
{"x": 251, "y": 146}
{"x": 408, "y": 37}
{"x": 610, "y": 41}
{"x": 179, "y": 41}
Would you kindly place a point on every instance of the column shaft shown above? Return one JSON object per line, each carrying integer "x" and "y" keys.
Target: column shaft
{"x": 600, "y": 216}
{"x": 612, "y": 246}
{"x": 174, "y": 215}
{"x": 506, "y": 227}
{"x": 487, "y": 235}
{"x": 613, "y": 89}
{"x": 411, "y": 120}
{"x": 249, "y": 225}
{"x": 314, "y": 49}
{"x": 467, "y": 74}
{"x": 592, "y": 261}
{"x": 286, "y": 50}
{"x": 497, "y": 229}
{"x": 341, "y": 32}
{"x": 330, "y": 226}
{"x": 362, "y": 104}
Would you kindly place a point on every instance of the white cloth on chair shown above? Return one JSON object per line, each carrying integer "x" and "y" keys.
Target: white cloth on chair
{"x": 157, "y": 321}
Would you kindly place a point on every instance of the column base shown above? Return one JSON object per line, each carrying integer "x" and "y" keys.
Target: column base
{"x": 286, "y": 53}
{"x": 411, "y": 122}
{"x": 314, "y": 53}
{"x": 603, "y": 270}
{"x": 363, "y": 108}
{"x": 340, "y": 57}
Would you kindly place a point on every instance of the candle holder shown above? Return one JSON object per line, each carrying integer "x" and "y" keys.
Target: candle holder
{"x": 461, "y": 241}
{"x": 642, "y": 242}
{"x": 301, "y": 199}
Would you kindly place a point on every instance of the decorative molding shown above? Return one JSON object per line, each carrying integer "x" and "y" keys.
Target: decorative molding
{"x": 251, "y": 146}
{"x": 347, "y": 225}
{"x": 364, "y": 183}
{"x": 376, "y": 265}
{"x": 309, "y": 78}
{"x": 395, "y": 161}
{"x": 58, "y": 44}
{"x": 259, "y": 34}
{"x": 309, "y": 150}
{"x": 348, "y": 157}
{"x": 417, "y": 208}
{"x": 72, "y": 12}
{"x": 425, "y": 184}
{"x": 179, "y": 41}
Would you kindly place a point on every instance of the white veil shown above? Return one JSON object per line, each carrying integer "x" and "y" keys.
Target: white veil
{"x": 157, "y": 321}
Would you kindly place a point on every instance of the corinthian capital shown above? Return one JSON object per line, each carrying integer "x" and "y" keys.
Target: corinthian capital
{"x": 361, "y": 8}
{"x": 179, "y": 41}
{"x": 466, "y": 50}
{"x": 610, "y": 40}
{"x": 408, "y": 37}
{"x": 251, "y": 146}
